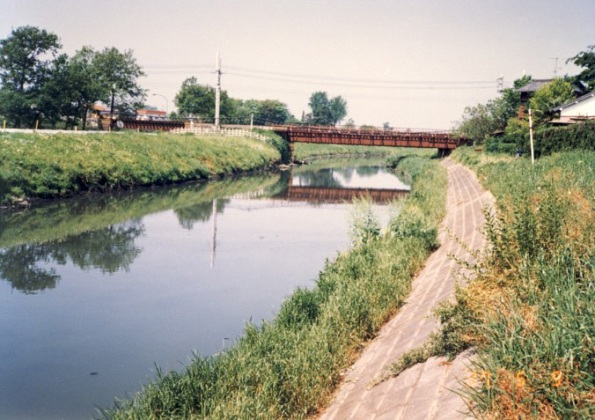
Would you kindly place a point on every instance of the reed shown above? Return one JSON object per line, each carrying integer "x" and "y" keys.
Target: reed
{"x": 289, "y": 367}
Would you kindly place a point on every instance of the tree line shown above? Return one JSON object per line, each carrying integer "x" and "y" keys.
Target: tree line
{"x": 195, "y": 100}
{"x": 37, "y": 82}
{"x": 500, "y": 115}
{"x": 41, "y": 86}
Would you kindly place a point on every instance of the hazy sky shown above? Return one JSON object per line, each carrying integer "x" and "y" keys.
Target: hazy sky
{"x": 412, "y": 63}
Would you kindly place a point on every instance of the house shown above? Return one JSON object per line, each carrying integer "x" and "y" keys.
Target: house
{"x": 151, "y": 115}
{"x": 528, "y": 91}
{"x": 579, "y": 109}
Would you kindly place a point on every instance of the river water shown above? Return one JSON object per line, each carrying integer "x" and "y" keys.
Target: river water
{"x": 97, "y": 291}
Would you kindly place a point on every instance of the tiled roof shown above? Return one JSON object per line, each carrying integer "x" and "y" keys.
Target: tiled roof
{"x": 534, "y": 85}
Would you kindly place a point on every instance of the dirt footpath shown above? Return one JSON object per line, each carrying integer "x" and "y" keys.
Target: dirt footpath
{"x": 424, "y": 391}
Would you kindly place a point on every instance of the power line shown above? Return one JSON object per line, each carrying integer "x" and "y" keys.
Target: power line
{"x": 263, "y": 73}
{"x": 297, "y": 78}
{"x": 411, "y": 85}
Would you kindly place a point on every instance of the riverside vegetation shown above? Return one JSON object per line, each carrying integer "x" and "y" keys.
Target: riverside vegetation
{"x": 58, "y": 165}
{"x": 289, "y": 367}
{"x": 529, "y": 310}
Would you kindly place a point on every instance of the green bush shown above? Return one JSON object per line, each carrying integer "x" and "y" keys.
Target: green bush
{"x": 507, "y": 144}
{"x": 550, "y": 140}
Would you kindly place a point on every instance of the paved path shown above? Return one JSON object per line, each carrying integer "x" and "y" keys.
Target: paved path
{"x": 425, "y": 390}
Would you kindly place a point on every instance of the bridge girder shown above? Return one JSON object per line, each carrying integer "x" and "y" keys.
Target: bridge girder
{"x": 352, "y": 137}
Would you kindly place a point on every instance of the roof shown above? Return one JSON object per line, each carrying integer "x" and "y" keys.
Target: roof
{"x": 150, "y": 112}
{"x": 576, "y": 101}
{"x": 534, "y": 85}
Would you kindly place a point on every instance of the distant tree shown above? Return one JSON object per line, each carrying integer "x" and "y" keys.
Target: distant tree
{"x": 585, "y": 59}
{"x": 350, "y": 123}
{"x": 477, "y": 123}
{"x": 199, "y": 101}
{"x": 326, "y": 111}
{"x": 74, "y": 87}
{"x": 25, "y": 58}
{"x": 548, "y": 97}
{"x": 117, "y": 76}
{"x": 338, "y": 107}
{"x": 321, "y": 109}
{"x": 266, "y": 112}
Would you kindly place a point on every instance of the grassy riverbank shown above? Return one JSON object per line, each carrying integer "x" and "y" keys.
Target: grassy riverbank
{"x": 307, "y": 151}
{"x": 59, "y": 165}
{"x": 289, "y": 367}
{"x": 531, "y": 310}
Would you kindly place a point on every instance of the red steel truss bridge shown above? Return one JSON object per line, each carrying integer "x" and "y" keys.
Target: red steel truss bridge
{"x": 444, "y": 141}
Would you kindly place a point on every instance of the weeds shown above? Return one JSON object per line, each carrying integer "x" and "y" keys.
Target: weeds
{"x": 530, "y": 311}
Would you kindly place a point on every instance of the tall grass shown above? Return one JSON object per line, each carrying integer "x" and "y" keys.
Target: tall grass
{"x": 289, "y": 367}
{"x": 47, "y": 166}
{"x": 531, "y": 309}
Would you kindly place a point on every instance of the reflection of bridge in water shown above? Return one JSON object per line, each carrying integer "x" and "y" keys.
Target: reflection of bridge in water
{"x": 339, "y": 195}
{"x": 324, "y": 195}
{"x": 301, "y": 196}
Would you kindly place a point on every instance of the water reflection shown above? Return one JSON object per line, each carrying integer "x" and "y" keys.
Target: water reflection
{"x": 68, "y": 230}
{"x": 109, "y": 250}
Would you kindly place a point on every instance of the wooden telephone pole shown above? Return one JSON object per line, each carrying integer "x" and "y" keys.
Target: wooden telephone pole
{"x": 218, "y": 91}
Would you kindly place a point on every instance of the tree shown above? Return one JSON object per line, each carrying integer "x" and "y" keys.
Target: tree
{"x": 196, "y": 100}
{"x": 25, "y": 58}
{"x": 548, "y": 97}
{"x": 478, "y": 122}
{"x": 482, "y": 120}
{"x": 73, "y": 86}
{"x": 117, "y": 77}
{"x": 321, "y": 110}
{"x": 199, "y": 101}
{"x": 338, "y": 107}
{"x": 326, "y": 111}
{"x": 585, "y": 59}
{"x": 265, "y": 112}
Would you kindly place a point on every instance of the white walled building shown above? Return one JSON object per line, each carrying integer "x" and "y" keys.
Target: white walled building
{"x": 577, "y": 110}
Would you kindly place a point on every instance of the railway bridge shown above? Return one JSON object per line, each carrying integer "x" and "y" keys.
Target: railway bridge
{"x": 444, "y": 141}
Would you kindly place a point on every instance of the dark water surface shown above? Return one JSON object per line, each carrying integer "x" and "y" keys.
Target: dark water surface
{"x": 95, "y": 292}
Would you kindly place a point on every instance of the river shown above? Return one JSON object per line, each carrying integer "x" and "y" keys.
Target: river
{"x": 96, "y": 291}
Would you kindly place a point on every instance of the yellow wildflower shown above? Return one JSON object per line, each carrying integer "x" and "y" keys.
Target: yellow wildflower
{"x": 557, "y": 377}
{"x": 521, "y": 378}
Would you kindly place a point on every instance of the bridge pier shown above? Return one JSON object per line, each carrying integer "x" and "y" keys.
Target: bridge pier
{"x": 291, "y": 152}
{"x": 444, "y": 152}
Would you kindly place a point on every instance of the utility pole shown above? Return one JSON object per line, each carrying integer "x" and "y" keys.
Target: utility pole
{"x": 218, "y": 91}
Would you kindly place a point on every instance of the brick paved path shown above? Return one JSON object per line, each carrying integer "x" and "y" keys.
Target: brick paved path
{"x": 425, "y": 390}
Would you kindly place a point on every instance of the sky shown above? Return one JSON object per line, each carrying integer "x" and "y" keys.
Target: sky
{"x": 409, "y": 63}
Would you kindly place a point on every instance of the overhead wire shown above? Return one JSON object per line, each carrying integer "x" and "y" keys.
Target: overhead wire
{"x": 309, "y": 79}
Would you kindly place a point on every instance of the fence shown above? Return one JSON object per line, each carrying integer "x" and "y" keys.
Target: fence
{"x": 230, "y": 132}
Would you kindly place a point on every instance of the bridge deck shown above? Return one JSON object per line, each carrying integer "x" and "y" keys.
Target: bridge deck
{"x": 363, "y": 137}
